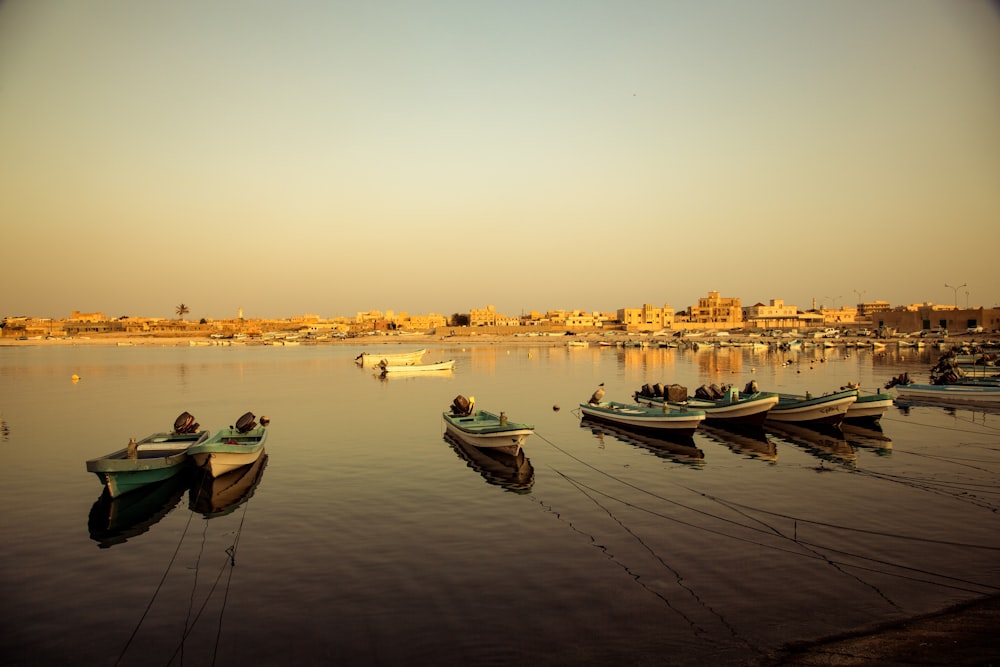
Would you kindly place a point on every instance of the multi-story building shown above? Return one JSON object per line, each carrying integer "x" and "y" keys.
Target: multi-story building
{"x": 870, "y": 308}
{"x": 775, "y": 315}
{"x": 717, "y": 312}
{"x": 647, "y": 318}
{"x": 483, "y": 317}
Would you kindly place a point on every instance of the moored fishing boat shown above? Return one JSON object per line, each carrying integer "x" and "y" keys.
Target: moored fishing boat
{"x": 369, "y": 359}
{"x": 965, "y": 393}
{"x": 749, "y": 407}
{"x": 417, "y": 368}
{"x": 828, "y": 409}
{"x": 949, "y": 385}
{"x": 869, "y": 407}
{"x": 232, "y": 447}
{"x": 642, "y": 418}
{"x": 480, "y": 428}
{"x": 154, "y": 458}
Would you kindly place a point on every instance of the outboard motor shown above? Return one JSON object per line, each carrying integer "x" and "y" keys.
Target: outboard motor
{"x": 185, "y": 423}
{"x": 675, "y": 393}
{"x": 246, "y": 422}
{"x": 903, "y": 379}
{"x": 460, "y": 406}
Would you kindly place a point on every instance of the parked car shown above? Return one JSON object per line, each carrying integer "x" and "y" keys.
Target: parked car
{"x": 974, "y": 330}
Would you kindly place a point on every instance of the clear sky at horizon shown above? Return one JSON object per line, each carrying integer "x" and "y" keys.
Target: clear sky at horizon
{"x": 332, "y": 157}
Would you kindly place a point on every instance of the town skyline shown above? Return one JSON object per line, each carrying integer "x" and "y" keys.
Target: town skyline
{"x": 825, "y": 304}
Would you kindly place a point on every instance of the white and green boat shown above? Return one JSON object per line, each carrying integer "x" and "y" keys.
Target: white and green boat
{"x": 485, "y": 430}
{"x": 232, "y": 447}
{"x": 156, "y": 457}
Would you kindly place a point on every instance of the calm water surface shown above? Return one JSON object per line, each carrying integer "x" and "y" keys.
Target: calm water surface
{"x": 368, "y": 538}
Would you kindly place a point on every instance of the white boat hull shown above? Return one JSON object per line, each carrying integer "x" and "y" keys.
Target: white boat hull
{"x": 370, "y": 359}
{"x": 508, "y": 442}
{"x": 830, "y": 411}
{"x": 745, "y": 411}
{"x": 950, "y": 393}
{"x": 868, "y": 409}
{"x": 669, "y": 421}
{"x": 219, "y": 463}
{"x": 420, "y": 368}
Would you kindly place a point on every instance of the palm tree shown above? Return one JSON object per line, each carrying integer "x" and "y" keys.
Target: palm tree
{"x": 182, "y": 310}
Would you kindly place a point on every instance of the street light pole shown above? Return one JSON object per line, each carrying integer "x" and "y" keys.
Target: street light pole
{"x": 956, "y": 291}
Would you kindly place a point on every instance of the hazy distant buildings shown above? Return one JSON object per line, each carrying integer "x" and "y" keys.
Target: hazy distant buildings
{"x": 871, "y": 308}
{"x": 713, "y": 312}
{"x": 921, "y": 317}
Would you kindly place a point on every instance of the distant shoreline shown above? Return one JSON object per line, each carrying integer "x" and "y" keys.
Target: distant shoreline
{"x": 417, "y": 340}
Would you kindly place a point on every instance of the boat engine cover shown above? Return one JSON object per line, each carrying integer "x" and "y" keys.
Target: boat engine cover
{"x": 185, "y": 423}
{"x": 246, "y": 422}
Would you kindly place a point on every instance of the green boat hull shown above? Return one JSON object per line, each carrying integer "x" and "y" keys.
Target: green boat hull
{"x": 140, "y": 474}
{"x": 120, "y": 474}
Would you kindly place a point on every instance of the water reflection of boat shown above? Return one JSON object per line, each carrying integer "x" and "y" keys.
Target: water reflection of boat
{"x": 218, "y": 496}
{"x": 679, "y": 448}
{"x": 905, "y": 406}
{"x": 824, "y": 442}
{"x": 114, "y": 520}
{"x": 868, "y": 435}
{"x": 749, "y": 441}
{"x": 512, "y": 472}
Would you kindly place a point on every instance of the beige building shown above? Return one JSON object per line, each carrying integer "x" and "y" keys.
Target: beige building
{"x": 870, "y": 308}
{"x": 717, "y": 312}
{"x": 483, "y": 317}
{"x": 422, "y": 322}
{"x": 775, "y": 315}
{"x": 923, "y": 317}
{"x": 647, "y": 318}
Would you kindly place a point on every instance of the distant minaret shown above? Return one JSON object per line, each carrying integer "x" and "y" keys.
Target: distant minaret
{"x": 239, "y": 312}
{"x": 814, "y": 303}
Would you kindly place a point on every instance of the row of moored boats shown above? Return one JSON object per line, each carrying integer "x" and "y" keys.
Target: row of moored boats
{"x": 162, "y": 455}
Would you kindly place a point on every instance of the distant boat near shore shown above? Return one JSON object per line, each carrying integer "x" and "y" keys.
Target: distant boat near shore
{"x": 370, "y": 359}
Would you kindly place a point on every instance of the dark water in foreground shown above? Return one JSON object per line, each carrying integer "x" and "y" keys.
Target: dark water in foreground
{"x": 367, "y": 538}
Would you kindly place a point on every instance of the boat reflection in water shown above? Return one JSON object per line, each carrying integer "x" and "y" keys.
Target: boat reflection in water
{"x": 824, "y": 442}
{"x": 869, "y": 436}
{"x": 115, "y": 520}
{"x": 749, "y": 441}
{"x": 512, "y": 473}
{"x": 218, "y": 496}
{"x": 680, "y": 449}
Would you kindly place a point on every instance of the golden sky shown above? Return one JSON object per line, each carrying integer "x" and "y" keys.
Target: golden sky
{"x": 332, "y": 157}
